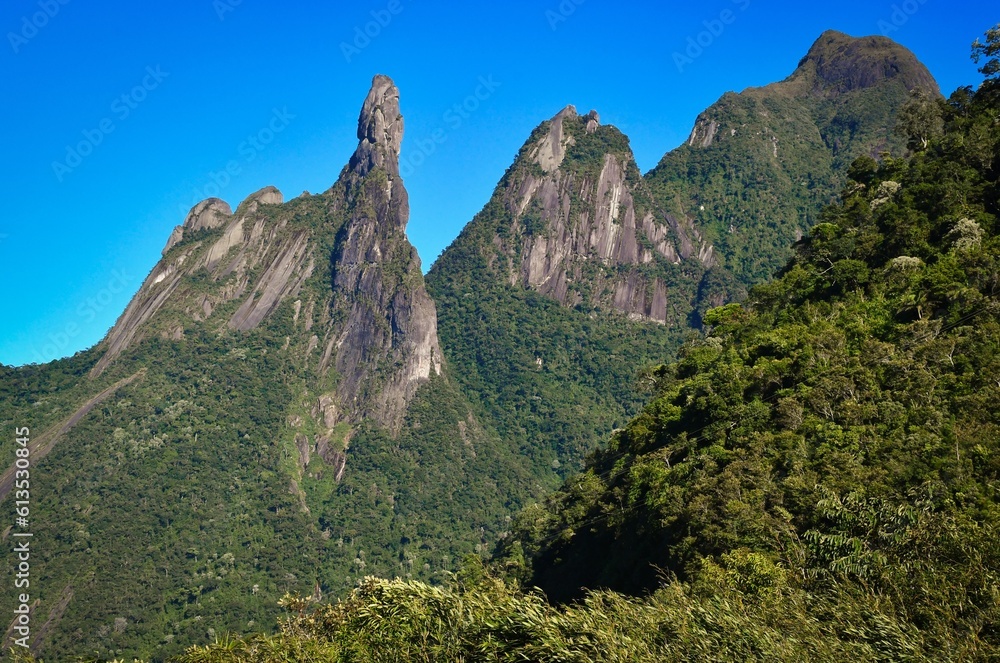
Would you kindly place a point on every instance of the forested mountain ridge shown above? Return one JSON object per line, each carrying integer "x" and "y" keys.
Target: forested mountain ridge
{"x": 547, "y": 299}
{"x": 286, "y": 407}
{"x": 562, "y": 288}
{"x": 839, "y": 423}
{"x": 815, "y": 479}
{"x": 271, "y": 413}
{"x": 759, "y": 165}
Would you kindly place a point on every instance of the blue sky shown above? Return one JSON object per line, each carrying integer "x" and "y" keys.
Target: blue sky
{"x": 118, "y": 117}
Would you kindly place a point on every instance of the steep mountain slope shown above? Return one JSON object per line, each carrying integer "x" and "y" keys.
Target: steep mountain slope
{"x": 759, "y": 165}
{"x": 577, "y": 224}
{"x": 563, "y": 287}
{"x": 841, "y": 428}
{"x": 549, "y": 296}
{"x": 244, "y": 266}
{"x": 271, "y": 413}
{"x": 815, "y": 480}
{"x": 283, "y": 407}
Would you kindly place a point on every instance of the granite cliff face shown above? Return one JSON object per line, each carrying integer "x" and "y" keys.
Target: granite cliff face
{"x": 338, "y": 265}
{"x": 383, "y": 336}
{"x": 580, "y": 226}
{"x": 251, "y": 258}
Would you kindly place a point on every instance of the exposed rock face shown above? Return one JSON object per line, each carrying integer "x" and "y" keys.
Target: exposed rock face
{"x": 247, "y": 242}
{"x": 305, "y": 450}
{"x": 210, "y": 213}
{"x": 332, "y": 452}
{"x": 387, "y": 319}
{"x": 332, "y": 456}
{"x": 284, "y": 275}
{"x": 175, "y": 238}
{"x": 551, "y": 149}
{"x": 703, "y": 133}
{"x": 380, "y": 130}
{"x": 838, "y": 63}
{"x": 374, "y": 325}
{"x": 579, "y": 226}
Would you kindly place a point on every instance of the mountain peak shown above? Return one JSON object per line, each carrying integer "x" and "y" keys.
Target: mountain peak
{"x": 578, "y": 224}
{"x": 798, "y": 136}
{"x": 568, "y": 111}
{"x": 209, "y": 213}
{"x": 550, "y": 150}
{"x": 837, "y": 62}
{"x": 380, "y": 129}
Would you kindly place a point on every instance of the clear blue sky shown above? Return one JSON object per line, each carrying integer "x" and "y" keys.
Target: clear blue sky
{"x": 159, "y": 96}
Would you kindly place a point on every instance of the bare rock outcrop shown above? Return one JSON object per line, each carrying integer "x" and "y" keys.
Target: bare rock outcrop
{"x": 703, "y": 133}
{"x": 289, "y": 268}
{"x": 550, "y": 150}
{"x": 386, "y": 318}
{"x": 380, "y": 130}
{"x": 175, "y": 238}
{"x": 333, "y": 456}
{"x": 375, "y": 328}
{"x": 304, "y": 449}
{"x": 209, "y": 213}
{"x": 567, "y": 219}
{"x": 247, "y": 241}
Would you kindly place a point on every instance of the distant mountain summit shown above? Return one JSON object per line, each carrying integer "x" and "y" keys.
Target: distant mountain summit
{"x": 770, "y": 440}
{"x": 759, "y": 165}
{"x": 580, "y": 271}
{"x": 838, "y": 63}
